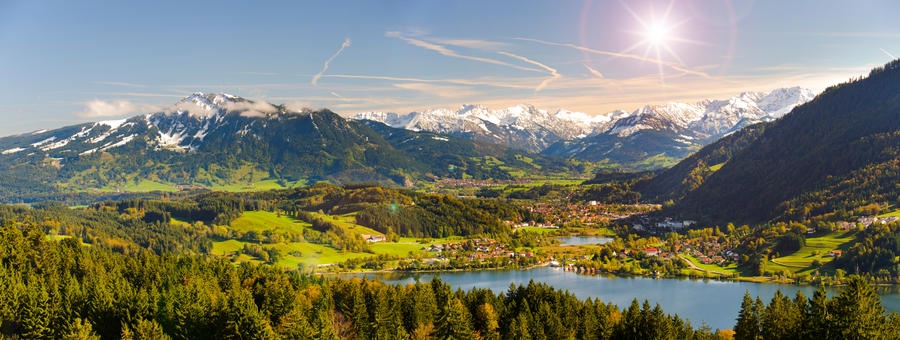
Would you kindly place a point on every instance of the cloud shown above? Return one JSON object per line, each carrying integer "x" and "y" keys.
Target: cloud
{"x": 253, "y": 73}
{"x": 450, "y": 53}
{"x": 421, "y": 80}
{"x": 553, "y": 74}
{"x": 446, "y": 91}
{"x": 674, "y": 66}
{"x": 99, "y": 108}
{"x": 315, "y": 78}
{"x": 594, "y": 72}
{"x": 117, "y": 83}
{"x": 300, "y": 107}
{"x": 251, "y": 108}
{"x": 472, "y": 43}
{"x": 142, "y": 94}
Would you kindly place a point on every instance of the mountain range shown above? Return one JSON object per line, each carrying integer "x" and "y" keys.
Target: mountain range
{"x": 226, "y": 142}
{"x": 649, "y": 137}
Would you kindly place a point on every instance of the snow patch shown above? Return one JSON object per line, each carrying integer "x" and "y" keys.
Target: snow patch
{"x": 11, "y": 151}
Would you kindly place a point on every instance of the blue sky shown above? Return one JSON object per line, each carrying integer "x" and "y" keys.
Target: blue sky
{"x": 68, "y": 62}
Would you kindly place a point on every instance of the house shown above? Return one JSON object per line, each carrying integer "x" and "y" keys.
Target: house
{"x": 651, "y": 251}
{"x": 836, "y": 253}
{"x": 373, "y": 238}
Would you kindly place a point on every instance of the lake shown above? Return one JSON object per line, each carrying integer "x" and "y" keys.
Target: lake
{"x": 715, "y": 302}
{"x": 582, "y": 240}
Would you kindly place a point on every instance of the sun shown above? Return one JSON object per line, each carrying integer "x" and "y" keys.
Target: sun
{"x": 656, "y": 34}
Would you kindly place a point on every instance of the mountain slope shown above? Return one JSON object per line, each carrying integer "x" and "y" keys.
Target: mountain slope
{"x": 223, "y": 141}
{"x": 673, "y": 183}
{"x": 832, "y": 153}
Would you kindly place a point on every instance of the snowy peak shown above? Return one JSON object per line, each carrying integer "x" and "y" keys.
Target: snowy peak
{"x": 525, "y": 126}
{"x": 201, "y": 104}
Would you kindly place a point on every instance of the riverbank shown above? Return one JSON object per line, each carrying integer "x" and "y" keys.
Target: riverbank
{"x": 454, "y": 270}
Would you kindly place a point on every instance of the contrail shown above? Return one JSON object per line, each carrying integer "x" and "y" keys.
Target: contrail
{"x": 553, "y": 74}
{"x": 593, "y": 71}
{"x": 888, "y": 53}
{"x": 315, "y": 78}
{"x": 451, "y": 53}
{"x": 672, "y": 65}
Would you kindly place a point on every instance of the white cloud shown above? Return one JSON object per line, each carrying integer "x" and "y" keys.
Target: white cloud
{"x": 472, "y": 43}
{"x": 251, "y": 109}
{"x": 315, "y": 78}
{"x": 446, "y": 91}
{"x": 101, "y": 108}
{"x": 118, "y": 83}
{"x": 483, "y": 82}
{"x": 301, "y": 106}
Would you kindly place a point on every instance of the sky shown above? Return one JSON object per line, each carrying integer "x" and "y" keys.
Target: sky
{"x": 65, "y": 62}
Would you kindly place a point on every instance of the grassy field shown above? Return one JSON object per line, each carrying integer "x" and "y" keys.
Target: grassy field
{"x": 347, "y": 221}
{"x": 311, "y": 254}
{"x": 537, "y": 230}
{"x": 730, "y": 269}
{"x": 801, "y": 260}
{"x": 892, "y": 213}
{"x": 716, "y": 167}
{"x": 264, "y": 220}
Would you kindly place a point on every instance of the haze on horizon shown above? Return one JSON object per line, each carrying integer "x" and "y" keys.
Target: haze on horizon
{"x": 67, "y": 62}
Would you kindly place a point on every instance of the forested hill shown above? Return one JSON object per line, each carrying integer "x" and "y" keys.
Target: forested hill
{"x": 673, "y": 183}
{"x": 226, "y": 142}
{"x": 838, "y": 151}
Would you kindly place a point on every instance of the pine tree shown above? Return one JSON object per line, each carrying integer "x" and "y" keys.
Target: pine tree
{"x": 817, "y": 320}
{"x": 243, "y": 320}
{"x": 455, "y": 322}
{"x": 80, "y": 330}
{"x": 488, "y": 318}
{"x": 858, "y": 313}
{"x": 747, "y": 327}
{"x": 144, "y": 330}
{"x": 34, "y": 314}
{"x": 295, "y": 325}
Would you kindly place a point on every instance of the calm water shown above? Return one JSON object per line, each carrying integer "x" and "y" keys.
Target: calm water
{"x": 581, "y": 240}
{"x": 715, "y": 302}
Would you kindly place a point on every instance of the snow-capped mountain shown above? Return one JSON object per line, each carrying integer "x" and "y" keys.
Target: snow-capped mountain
{"x": 683, "y": 126}
{"x": 219, "y": 139}
{"x": 711, "y": 118}
{"x": 670, "y": 132}
{"x": 521, "y": 126}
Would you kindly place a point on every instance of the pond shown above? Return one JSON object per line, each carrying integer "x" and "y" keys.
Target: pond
{"x": 714, "y": 302}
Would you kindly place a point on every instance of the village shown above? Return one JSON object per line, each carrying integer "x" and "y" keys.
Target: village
{"x": 587, "y": 213}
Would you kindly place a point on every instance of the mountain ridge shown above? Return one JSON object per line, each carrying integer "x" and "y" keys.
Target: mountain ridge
{"x": 682, "y": 127}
